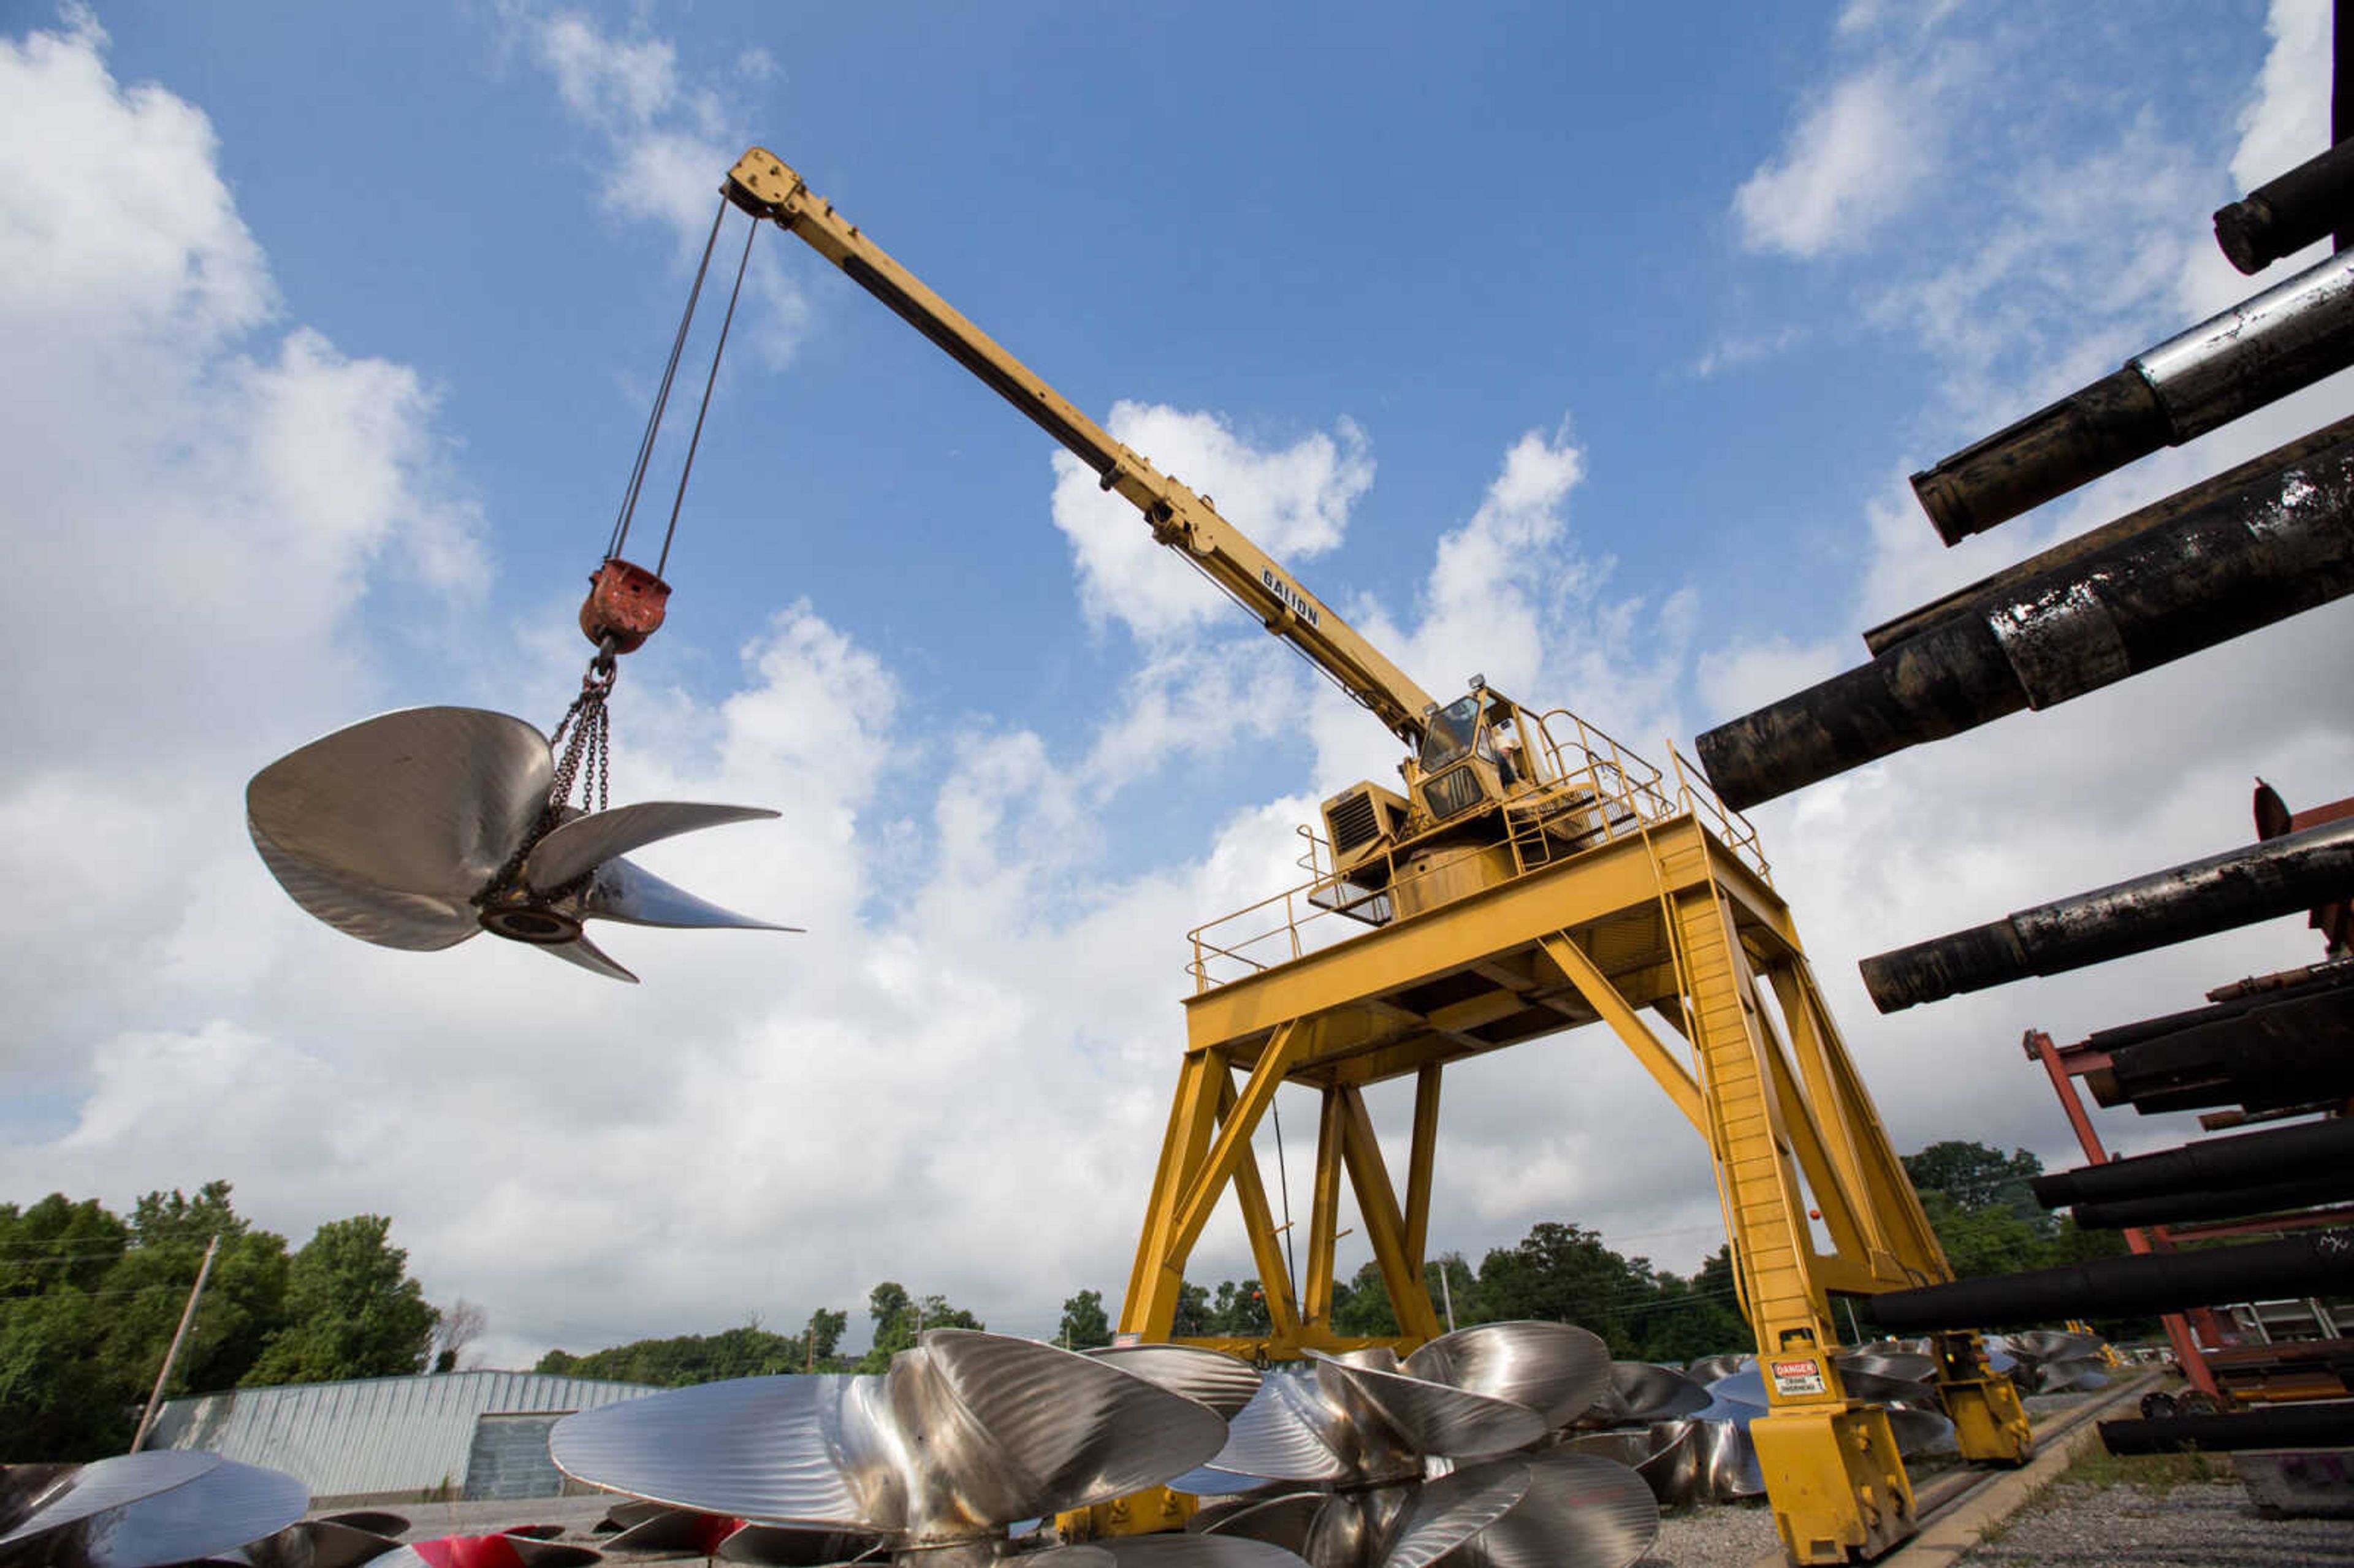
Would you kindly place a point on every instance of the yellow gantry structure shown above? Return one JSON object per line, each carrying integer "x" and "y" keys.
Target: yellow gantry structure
{"x": 1534, "y": 877}
{"x": 1621, "y": 898}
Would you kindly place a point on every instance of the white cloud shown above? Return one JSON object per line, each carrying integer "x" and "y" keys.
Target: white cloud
{"x": 1854, "y": 162}
{"x": 1294, "y": 502}
{"x": 2287, "y": 119}
{"x": 666, "y": 144}
{"x": 2070, "y": 259}
{"x": 957, "y": 1078}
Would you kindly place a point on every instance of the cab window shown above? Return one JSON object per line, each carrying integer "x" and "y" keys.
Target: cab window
{"x": 1452, "y": 730}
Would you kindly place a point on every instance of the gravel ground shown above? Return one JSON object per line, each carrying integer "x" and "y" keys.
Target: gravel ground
{"x": 2200, "y": 1525}
{"x": 1732, "y": 1535}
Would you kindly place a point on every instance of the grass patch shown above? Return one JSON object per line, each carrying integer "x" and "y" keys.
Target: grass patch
{"x": 2156, "y": 1473}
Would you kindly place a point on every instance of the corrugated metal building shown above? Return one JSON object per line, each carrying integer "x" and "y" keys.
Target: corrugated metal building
{"x": 451, "y": 1435}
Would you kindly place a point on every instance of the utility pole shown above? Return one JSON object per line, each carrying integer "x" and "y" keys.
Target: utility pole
{"x": 1448, "y": 1292}
{"x": 180, "y": 1334}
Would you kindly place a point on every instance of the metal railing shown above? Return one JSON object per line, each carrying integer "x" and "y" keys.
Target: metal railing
{"x": 1588, "y": 790}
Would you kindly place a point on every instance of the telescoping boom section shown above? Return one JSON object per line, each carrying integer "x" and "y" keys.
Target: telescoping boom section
{"x": 1532, "y": 877}
{"x": 763, "y": 185}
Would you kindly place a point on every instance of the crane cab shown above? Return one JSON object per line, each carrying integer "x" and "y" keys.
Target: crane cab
{"x": 1482, "y": 758}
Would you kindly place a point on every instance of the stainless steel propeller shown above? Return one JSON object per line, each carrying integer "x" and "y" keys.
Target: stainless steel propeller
{"x": 1424, "y": 1462}
{"x": 967, "y": 1435}
{"x": 142, "y": 1511}
{"x": 1405, "y": 1525}
{"x": 418, "y": 828}
{"x": 1555, "y": 1369}
{"x": 1639, "y": 1392}
{"x": 2057, "y": 1360}
{"x": 508, "y": 1548}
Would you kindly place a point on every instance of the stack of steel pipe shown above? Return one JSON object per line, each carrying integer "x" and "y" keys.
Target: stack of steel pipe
{"x": 2252, "y": 1173}
{"x": 2250, "y": 546}
{"x": 2261, "y": 1054}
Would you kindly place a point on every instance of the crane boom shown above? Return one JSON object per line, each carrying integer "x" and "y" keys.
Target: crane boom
{"x": 763, "y": 185}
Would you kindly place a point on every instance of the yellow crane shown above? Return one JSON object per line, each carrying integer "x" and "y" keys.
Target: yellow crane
{"x": 1532, "y": 875}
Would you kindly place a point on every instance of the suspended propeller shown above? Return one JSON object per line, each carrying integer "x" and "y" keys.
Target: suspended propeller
{"x": 418, "y": 828}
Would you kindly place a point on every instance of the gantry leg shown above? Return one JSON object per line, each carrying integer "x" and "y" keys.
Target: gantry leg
{"x": 1832, "y": 1473}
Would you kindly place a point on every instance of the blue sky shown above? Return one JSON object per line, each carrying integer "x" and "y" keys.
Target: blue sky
{"x": 1584, "y": 347}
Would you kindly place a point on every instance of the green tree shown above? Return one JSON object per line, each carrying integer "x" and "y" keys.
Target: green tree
{"x": 899, "y": 1318}
{"x": 1977, "y": 1178}
{"x": 1085, "y": 1327}
{"x": 1193, "y": 1318}
{"x": 821, "y": 1337}
{"x": 1562, "y": 1273}
{"x": 353, "y": 1310}
{"x": 1361, "y": 1306}
{"x": 1239, "y": 1308}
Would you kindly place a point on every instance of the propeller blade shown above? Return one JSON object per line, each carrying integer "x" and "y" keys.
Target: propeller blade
{"x": 1746, "y": 1388}
{"x": 416, "y": 922}
{"x": 488, "y": 1551}
{"x": 574, "y": 848}
{"x": 1886, "y": 1374}
{"x": 1207, "y": 1482}
{"x": 674, "y": 1532}
{"x": 2053, "y": 1345}
{"x": 782, "y": 1546}
{"x": 1433, "y": 1417}
{"x": 624, "y": 891}
{"x": 1641, "y": 1391}
{"x": 1013, "y": 1429}
{"x": 588, "y": 955}
{"x": 1192, "y": 1551}
{"x": 1223, "y": 1382}
{"x": 532, "y": 1552}
{"x": 1443, "y": 1514}
{"x": 1727, "y": 1462}
{"x": 1554, "y": 1368}
{"x": 1290, "y": 1432}
{"x": 1580, "y": 1512}
{"x": 1285, "y": 1520}
{"x": 1919, "y": 1431}
{"x": 629, "y": 1511}
{"x": 1712, "y": 1369}
{"x": 325, "y": 1544}
{"x": 775, "y": 1449}
{"x": 427, "y": 801}
{"x": 225, "y": 1508}
{"x": 374, "y": 1521}
{"x": 55, "y": 1496}
{"x": 1662, "y": 1453}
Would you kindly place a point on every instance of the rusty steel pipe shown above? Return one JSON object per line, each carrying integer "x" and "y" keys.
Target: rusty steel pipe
{"x": 2329, "y": 1426}
{"x": 2257, "y": 352}
{"x": 2278, "y": 876}
{"x": 2319, "y": 1263}
{"x": 2250, "y": 556}
{"x": 2277, "y": 1154}
{"x": 2224, "y": 1203}
{"x": 2284, "y": 216}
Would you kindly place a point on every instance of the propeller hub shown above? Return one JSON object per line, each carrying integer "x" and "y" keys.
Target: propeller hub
{"x": 533, "y": 923}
